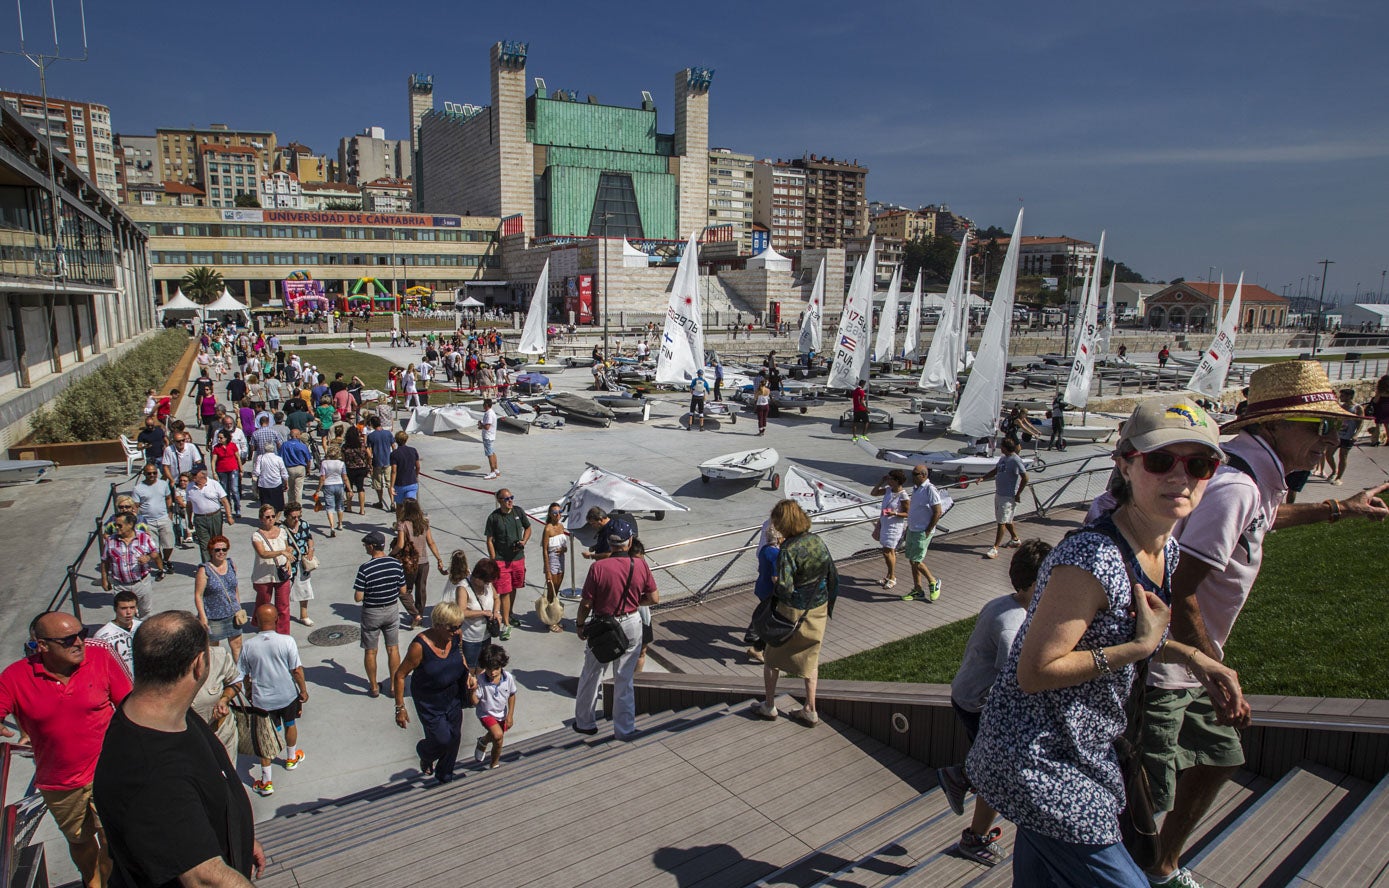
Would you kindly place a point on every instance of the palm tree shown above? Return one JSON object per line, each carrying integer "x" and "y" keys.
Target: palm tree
{"x": 202, "y": 284}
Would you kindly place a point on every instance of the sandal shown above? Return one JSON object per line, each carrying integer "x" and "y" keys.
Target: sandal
{"x": 889, "y": 583}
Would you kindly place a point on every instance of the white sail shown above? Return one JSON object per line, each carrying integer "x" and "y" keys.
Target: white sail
{"x": 911, "y": 346}
{"x": 538, "y": 318}
{"x": 855, "y": 321}
{"x": 1107, "y": 325}
{"x": 887, "y": 321}
{"x": 977, "y": 415}
{"x": 962, "y": 323}
{"x": 1087, "y": 332}
{"x": 1220, "y": 302}
{"x": 942, "y": 361}
{"x": 813, "y": 322}
{"x": 817, "y": 495}
{"x": 682, "y": 340}
{"x": 1209, "y": 378}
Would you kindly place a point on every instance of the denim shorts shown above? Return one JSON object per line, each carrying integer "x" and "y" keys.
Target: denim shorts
{"x": 406, "y": 491}
{"x": 334, "y": 497}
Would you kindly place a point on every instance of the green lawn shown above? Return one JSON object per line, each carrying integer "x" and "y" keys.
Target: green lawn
{"x": 372, "y": 370}
{"x": 1312, "y": 627}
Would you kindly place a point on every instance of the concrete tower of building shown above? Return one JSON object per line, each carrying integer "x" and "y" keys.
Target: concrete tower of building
{"x": 692, "y": 147}
{"x": 515, "y": 156}
{"x": 421, "y": 101}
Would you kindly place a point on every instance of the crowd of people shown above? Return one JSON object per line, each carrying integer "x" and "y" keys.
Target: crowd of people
{"x": 1151, "y": 588}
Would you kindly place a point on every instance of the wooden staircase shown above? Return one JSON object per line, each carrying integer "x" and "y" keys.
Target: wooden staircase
{"x": 712, "y": 796}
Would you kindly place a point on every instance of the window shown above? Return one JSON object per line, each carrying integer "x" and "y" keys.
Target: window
{"x": 615, "y": 210}
{"x": 232, "y": 259}
{"x": 282, "y": 258}
{"x": 281, "y": 231}
{"x": 257, "y": 259}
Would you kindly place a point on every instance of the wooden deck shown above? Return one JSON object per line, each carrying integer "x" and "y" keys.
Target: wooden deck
{"x": 723, "y": 802}
{"x": 708, "y": 638}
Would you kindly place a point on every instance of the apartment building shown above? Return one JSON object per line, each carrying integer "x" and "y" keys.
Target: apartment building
{"x": 136, "y": 163}
{"x": 369, "y": 155}
{"x": 181, "y": 157}
{"x": 904, "y": 225}
{"x": 779, "y": 204}
{"x": 81, "y": 132}
{"x": 731, "y": 197}
{"x": 387, "y": 195}
{"x": 836, "y": 205}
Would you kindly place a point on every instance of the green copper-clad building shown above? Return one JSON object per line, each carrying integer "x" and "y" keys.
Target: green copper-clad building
{"x": 565, "y": 164}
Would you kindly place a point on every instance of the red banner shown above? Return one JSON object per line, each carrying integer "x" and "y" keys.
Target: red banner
{"x": 585, "y": 308}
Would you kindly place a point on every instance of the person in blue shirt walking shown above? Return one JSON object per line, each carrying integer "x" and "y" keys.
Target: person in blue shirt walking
{"x": 699, "y": 387}
{"x": 297, "y": 457}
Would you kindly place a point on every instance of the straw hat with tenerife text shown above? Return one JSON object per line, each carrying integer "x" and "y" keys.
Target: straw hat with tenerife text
{"x": 1289, "y": 389}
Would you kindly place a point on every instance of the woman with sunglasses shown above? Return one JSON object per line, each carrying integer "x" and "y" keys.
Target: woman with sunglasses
{"x": 301, "y": 540}
{"x": 273, "y": 569}
{"x": 442, "y": 684}
{"x": 554, "y": 542}
{"x": 1045, "y": 755}
{"x": 215, "y": 596}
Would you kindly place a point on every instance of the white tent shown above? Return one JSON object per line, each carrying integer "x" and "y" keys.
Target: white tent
{"x": 470, "y": 302}
{"x": 227, "y": 303}
{"x": 771, "y": 260}
{"x": 179, "y": 302}
{"x": 632, "y": 257}
{"x": 937, "y": 301}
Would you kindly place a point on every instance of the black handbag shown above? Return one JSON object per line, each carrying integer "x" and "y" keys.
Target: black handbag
{"x": 604, "y": 633}
{"x": 1137, "y": 821}
{"x": 494, "y": 627}
{"x": 771, "y": 626}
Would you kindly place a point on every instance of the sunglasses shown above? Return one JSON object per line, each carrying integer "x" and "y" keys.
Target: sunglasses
{"x": 1160, "y": 462}
{"x": 67, "y": 641}
{"x": 507, "y": 499}
{"x": 1325, "y": 427}
{"x": 219, "y": 549}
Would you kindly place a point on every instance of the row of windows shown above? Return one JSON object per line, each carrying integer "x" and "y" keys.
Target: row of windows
{"x": 300, "y": 260}
{"x": 313, "y": 232}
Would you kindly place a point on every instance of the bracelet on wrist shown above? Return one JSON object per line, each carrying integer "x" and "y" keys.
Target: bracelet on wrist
{"x": 1101, "y": 661}
{"x": 1335, "y": 510}
{"x": 400, "y": 707}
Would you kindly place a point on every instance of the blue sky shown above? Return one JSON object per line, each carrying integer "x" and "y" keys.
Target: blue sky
{"x": 1244, "y": 134}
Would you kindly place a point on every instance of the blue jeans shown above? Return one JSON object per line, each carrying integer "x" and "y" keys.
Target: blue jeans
{"x": 1041, "y": 862}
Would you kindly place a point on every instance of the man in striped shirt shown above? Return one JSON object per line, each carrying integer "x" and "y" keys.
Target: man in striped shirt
{"x": 125, "y": 562}
{"x": 379, "y": 586}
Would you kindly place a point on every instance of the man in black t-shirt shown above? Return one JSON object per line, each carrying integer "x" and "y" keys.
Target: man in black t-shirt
{"x": 152, "y": 441}
{"x": 236, "y": 389}
{"x": 201, "y": 386}
{"x": 405, "y": 470}
{"x": 193, "y": 824}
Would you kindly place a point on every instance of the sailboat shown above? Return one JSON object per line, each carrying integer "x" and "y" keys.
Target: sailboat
{"x": 533, "y": 334}
{"x": 977, "y": 415}
{"x": 1107, "y": 328}
{"x": 942, "y": 357}
{"x": 855, "y": 326}
{"x": 1209, "y": 377}
{"x": 682, "y": 341}
{"x": 911, "y": 346}
{"x": 887, "y": 321}
{"x": 1083, "y": 354}
{"x": 813, "y": 321}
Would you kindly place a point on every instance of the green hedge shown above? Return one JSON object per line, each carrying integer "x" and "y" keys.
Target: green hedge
{"x": 105, "y": 403}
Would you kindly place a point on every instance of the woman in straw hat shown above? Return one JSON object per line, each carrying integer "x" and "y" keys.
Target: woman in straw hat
{"x": 1045, "y": 755}
{"x": 1292, "y": 417}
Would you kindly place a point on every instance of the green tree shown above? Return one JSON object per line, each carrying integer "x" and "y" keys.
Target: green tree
{"x": 246, "y": 199}
{"x": 354, "y": 206}
{"x": 202, "y": 284}
{"x": 1123, "y": 274}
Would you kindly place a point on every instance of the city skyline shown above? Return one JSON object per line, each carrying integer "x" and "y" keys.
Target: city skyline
{"x": 1232, "y": 137}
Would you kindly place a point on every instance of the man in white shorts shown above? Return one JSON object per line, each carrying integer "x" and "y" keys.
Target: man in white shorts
{"x": 1010, "y": 480}
{"x": 488, "y": 426}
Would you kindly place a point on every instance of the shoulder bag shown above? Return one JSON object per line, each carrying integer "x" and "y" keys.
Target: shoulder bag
{"x": 240, "y": 618}
{"x": 605, "y": 636}
{"x": 255, "y": 733}
{"x": 1137, "y": 819}
{"x": 771, "y": 626}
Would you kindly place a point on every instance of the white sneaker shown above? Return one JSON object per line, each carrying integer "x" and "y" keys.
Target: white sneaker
{"x": 480, "y": 750}
{"x": 490, "y": 475}
{"x": 765, "y": 710}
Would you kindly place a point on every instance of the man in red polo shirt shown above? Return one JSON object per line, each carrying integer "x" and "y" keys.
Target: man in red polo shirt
{"x": 63, "y": 697}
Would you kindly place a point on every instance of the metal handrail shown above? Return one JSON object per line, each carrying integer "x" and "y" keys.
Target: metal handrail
{"x": 67, "y": 587}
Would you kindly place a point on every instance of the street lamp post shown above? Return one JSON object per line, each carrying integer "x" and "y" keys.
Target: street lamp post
{"x": 1316, "y": 332}
{"x": 1380, "y": 298}
{"x": 605, "y": 217}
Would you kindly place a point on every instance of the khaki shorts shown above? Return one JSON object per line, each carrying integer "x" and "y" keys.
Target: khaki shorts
{"x": 162, "y": 529}
{"x": 379, "y": 476}
{"x": 74, "y": 812}
{"x": 1004, "y": 507}
{"x": 1179, "y": 731}
{"x": 918, "y": 541}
